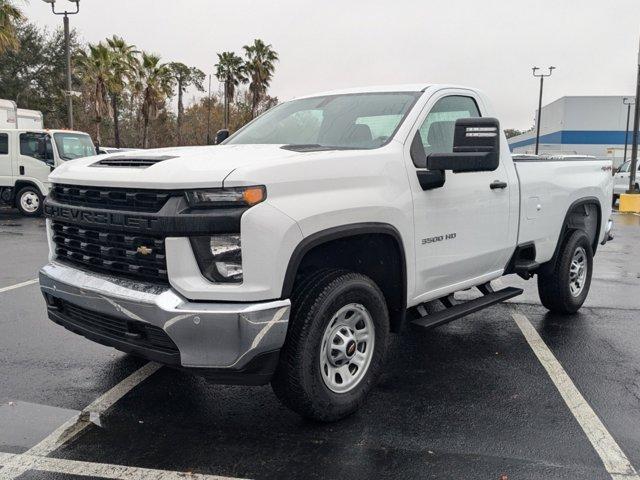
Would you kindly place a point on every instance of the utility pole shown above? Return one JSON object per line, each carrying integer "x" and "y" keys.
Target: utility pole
{"x": 209, "y": 114}
{"x": 226, "y": 105}
{"x": 628, "y": 102}
{"x": 541, "y": 76}
{"x": 634, "y": 147}
{"x": 67, "y": 51}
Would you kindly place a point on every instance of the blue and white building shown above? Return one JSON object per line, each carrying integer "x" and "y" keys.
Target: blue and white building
{"x": 587, "y": 125}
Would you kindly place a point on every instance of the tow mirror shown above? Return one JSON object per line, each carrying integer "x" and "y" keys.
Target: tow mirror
{"x": 221, "y": 136}
{"x": 476, "y": 147}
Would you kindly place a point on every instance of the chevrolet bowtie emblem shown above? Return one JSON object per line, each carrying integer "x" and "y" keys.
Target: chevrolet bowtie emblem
{"x": 142, "y": 250}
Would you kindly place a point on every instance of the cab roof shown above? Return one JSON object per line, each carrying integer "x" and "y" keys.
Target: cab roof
{"x": 410, "y": 87}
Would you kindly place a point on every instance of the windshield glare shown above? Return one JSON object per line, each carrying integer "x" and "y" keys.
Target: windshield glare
{"x": 74, "y": 145}
{"x": 358, "y": 121}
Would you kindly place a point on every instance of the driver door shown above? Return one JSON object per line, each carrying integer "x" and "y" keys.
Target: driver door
{"x": 462, "y": 227}
{"x": 36, "y": 155}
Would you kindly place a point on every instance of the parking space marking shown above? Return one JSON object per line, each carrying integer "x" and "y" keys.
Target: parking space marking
{"x": 18, "y": 285}
{"x": 615, "y": 461}
{"x": 101, "y": 470}
{"x": 70, "y": 429}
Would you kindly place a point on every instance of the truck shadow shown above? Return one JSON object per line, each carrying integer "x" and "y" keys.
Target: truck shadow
{"x": 444, "y": 390}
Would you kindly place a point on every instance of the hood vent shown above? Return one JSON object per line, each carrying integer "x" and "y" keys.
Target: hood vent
{"x": 132, "y": 162}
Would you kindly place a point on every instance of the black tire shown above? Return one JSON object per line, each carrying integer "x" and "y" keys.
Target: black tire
{"x": 298, "y": 381}
{"x": 554, "y": 286}
{"x": 27, "y": 197}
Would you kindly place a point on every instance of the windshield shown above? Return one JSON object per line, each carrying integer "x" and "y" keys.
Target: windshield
{"x": 354, "y": 121}
{"x": 74, "y": 145}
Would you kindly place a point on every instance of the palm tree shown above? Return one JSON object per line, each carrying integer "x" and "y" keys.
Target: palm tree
{"x": 124, "y": 64}
{"x": 10, "y": 16}
{"x": 184, "y": 77}
{"x": 156, "y": 85}
{"x": 260, "y": 65}
{"x": 230, "y": 70}
{"x": 93, "y": 66}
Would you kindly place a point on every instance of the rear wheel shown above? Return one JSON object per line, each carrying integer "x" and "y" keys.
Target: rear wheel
{"x": 29, "y": 201}
{"x": 565, "y": 288}
{"x": 336, "y": 345}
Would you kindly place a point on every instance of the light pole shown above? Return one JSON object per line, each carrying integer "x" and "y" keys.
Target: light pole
{"x": 67, "y": 50}
{"x": 634, "y": 146}
{"x": 541, "y": 76}
{"x": 209, "y": 114}
{"x": 628, "y": 102}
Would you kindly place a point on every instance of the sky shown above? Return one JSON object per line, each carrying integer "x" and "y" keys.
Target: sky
{"x": 329, "y": 44}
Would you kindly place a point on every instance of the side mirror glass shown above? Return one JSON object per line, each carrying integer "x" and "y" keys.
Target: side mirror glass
{"x": 221, "y": 136}
{"x": 476, "y": 147}
{"x": 42, "y": 148}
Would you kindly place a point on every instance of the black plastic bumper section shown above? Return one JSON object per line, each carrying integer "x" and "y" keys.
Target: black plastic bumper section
{"x": 152, "y": 343}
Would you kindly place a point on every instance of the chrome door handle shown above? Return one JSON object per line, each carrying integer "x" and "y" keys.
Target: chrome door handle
{"x": 497, "y": 184}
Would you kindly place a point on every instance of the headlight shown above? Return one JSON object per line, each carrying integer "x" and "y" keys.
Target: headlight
{"x": 219, "y": 257}
{"x": 226, "y": 197}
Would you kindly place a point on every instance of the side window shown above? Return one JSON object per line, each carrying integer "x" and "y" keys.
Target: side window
{"x": 437, "y": 129}
{"x": 31, "y": 146}
{"x": 4, "y": 144}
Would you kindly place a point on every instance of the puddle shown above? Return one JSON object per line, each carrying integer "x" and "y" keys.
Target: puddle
{"x": 24, "y": 424}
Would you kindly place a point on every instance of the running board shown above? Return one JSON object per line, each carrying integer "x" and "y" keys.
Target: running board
{"x": 460, "y": 310}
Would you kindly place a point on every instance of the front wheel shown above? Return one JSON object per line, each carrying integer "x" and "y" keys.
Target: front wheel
{"x": 565, "y": 288}
{"x": 29, "y": 201}
{"x": 336, "y": 345}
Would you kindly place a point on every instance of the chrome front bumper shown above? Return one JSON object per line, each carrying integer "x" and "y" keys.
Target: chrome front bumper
{"x": 221, "y": 337}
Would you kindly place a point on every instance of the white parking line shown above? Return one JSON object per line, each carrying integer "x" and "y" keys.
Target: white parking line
{"x": 101, "y": 470}
{"x": 615, "y": 461}
{"x": 18, "y": 285}
{"x": 69, "y": 430}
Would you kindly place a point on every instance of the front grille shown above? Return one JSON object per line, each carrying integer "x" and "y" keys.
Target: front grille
{"x": 112, "y": 198}
{"x": 121, "y": 333}
{"x": 111, "y": 252}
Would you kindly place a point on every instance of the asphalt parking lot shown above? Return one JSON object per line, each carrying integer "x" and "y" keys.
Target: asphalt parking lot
{"x": 472, "y": 399}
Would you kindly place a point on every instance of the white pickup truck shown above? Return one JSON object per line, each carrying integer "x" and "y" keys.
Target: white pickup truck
{"x": 292, "y": 251}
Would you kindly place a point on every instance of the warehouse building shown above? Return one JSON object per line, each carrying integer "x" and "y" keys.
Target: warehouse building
{"x": 586, "y": 125}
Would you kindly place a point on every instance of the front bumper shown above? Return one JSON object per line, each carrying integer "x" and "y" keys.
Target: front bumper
{"x": 227, "y": 342}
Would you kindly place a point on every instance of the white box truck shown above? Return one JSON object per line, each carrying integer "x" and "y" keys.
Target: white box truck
{"x": 28, "y": 156}
{"x": 8, "y": 114}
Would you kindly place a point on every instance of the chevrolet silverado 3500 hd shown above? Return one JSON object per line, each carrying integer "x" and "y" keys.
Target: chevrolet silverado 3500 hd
{"x": 290, "y": 252}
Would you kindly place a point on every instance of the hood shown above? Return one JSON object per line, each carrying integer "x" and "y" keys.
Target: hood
{"x": 174, "y": 168}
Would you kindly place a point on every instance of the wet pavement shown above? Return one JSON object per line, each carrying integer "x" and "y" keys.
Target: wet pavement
{"x": 467, "y": 400}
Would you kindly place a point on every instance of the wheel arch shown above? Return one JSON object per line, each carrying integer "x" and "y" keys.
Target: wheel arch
{"x": 344, "y": 246}
{"x": 20, "y": 184}
{"x": 573, "y": 220}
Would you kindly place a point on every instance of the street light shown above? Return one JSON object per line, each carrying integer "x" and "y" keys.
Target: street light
{"x": 67, "y": 52}
{"x": 634, "y": 146}
{"x": 541, "y": 76}
{"x": 628, "y": 102}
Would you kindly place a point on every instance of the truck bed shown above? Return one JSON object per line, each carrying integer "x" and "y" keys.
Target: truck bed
{"x": 549, "y": 188}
